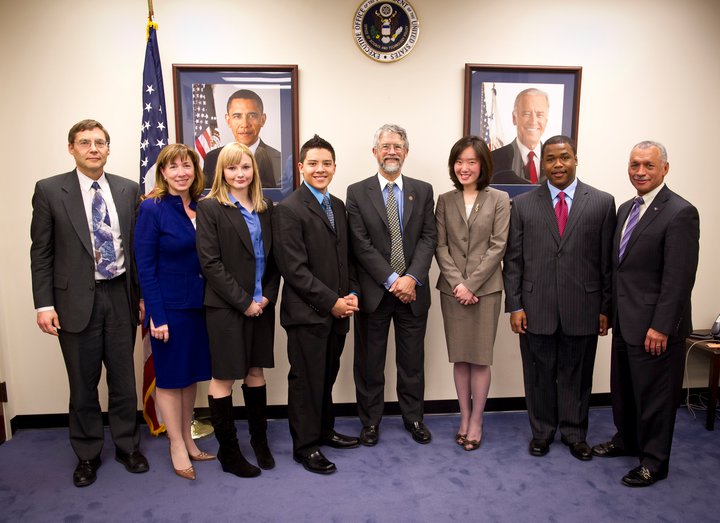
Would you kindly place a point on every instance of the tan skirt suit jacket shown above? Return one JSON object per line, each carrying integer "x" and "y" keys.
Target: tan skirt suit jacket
{"x": 469, "y": 251}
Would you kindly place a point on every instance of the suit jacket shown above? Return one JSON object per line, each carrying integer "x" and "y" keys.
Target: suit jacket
{"x": 62, "y": 258}
{"x": 266, "y": 157}
{"x": 370, "y": 239}
{"x": 166, "y": 257}
{"x": 470, "y": 250}
{"x": 564, "y": 282}
{"x": 313, "y": 260}
{"x": 653, "y": 282}
{"x": 509, "y": 167}
{"x": 227, "y": 257}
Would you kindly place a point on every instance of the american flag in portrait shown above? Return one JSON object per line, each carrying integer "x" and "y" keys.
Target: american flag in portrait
{"x": 207, "y": 135}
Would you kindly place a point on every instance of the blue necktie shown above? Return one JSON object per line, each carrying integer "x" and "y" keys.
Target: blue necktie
{"x": 102, "y": 236}
{"x": 633, "y": 220}
{"x": 328, "y": 210}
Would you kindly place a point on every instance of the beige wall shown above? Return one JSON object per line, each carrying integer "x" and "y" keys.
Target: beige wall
{"x": 650, "y": 70}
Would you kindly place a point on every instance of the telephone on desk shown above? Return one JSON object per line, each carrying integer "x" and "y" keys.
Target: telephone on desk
{"x": 712, "y": 334}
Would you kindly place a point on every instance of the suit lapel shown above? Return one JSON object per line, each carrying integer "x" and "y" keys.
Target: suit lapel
{"x": 547, "y": 211}
{"x": 124, "y": 213}
{"x": 656, "y": 207}
{"x": 480, "y": 201}
{"x": 578, "y": 207}
{"x": 236, "y": 219}
{"x": 374, "y": 194}
{"x": 314, "y": 206}
{"x": 75, "y": 208}
{"x": 409, "y": 197}
{"x": 266, "y": 226}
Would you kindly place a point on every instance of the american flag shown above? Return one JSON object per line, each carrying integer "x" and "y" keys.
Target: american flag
{"x": 153, "y": 137}
{"x": 154, "y": 131}
{"x": 484, "y": 120}
{"x": 207, "y": 136}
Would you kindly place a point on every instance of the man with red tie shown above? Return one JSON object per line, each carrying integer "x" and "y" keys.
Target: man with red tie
{"x": 557, "y": 276}
{"x": 519, "y": 161}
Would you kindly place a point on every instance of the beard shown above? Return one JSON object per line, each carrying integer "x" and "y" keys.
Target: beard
{"x": 392, "y": 168}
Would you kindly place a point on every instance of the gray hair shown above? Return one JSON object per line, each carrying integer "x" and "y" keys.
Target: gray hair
{"x": 533, "y": 91}
{"x": 646, "y": 144}
{"x": 391, "y": 128}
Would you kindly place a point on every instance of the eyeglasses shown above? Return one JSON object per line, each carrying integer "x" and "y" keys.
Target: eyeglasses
{"x": 86, "y": 144}
{"x": 385, "y": 147}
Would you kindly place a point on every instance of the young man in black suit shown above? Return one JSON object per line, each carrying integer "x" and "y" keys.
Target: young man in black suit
{"x": 319, "y": 296}
{"x": 655, "y": 256}
{"x": 86, "y": 292}
{"x": 393, "y": 236}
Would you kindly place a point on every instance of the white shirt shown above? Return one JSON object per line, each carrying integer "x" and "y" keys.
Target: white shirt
{"x": 525, "y": 151}
{"x": 647, "y": 200}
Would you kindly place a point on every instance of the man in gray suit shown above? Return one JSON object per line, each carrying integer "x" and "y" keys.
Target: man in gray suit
{"x": 86, "y": 293}
{"x": 557, "y": 276}
{"x": 393, "y": 238}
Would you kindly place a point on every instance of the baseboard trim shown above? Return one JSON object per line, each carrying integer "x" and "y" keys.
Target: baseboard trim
{"x": 45, "y": 421}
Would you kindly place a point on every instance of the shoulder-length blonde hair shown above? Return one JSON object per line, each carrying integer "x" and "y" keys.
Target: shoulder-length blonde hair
{"x": 169, "y": 154}
{"x": 232, "y": 154}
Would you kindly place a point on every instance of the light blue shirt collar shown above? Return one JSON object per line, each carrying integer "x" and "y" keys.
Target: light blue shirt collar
{"x": 317, "y": 194}
{"x": 569, "y": 190}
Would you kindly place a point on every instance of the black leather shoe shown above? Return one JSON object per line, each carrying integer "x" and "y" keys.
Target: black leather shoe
{"x": 316, "y": 463}
{"x": 610, "y": 450}
{"x": 641, "y": 477}
{"x": 419, "y": 431}
{"x": 85, "y": 472}
{"x": 370, "y": 435}
{"x": 340, "y": 441}
{"x": 538, "y": 447}
{"x": 581, "y": 451}
{"x": 134, "y": 462}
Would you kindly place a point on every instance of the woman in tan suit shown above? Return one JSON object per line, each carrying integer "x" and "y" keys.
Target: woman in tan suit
{"x": 472, "y": 224}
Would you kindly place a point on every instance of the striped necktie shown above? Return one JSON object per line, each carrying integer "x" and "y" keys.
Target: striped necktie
{"x": 633, "y": 220}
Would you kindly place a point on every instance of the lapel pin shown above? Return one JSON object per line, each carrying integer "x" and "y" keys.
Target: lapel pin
{"x": 477, "y": 206}
{"x": 410, "y": 197}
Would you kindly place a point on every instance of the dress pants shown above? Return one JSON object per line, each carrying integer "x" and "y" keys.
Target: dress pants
{"x": 109, "y": 338}
{"x": 557, "y": 371}
{"x": 646, "y": 392}
{"x": 371, "y": 336}
{"x": 314, "y": 353}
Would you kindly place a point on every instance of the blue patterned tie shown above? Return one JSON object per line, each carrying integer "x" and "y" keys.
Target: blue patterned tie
{"x": 328, "y": 210}
{"x": 397, "y": 257}
{"x": 102, "y": 236}
{"x": 633, "y": 220}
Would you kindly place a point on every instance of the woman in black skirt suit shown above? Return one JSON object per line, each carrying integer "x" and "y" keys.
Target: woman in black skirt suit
{"x": 234, "y": 241}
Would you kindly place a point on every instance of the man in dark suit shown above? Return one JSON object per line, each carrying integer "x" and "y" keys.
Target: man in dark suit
{"x": 245, "y": 118}
{"x": 393, "y": 237}
{"x": 557, "y": 286}
{"x": 319, "y": 296}
{"x": 655, "y": 256}
{"x": 85, "y": 291}
{"x": 519, "y": 161}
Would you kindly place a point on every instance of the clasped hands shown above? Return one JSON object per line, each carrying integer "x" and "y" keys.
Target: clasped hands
{"x": 464, "y": 296}
{"x": 345, "y": 307}
{"x": 404, "y": 288}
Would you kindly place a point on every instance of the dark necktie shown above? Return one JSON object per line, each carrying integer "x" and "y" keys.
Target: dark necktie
{"x": 532, "y": 170}
{"x": 397, "y": 258}
{"x": 328, "y": 210}
{"x": 102, "y": 235}
{"x": 633, "y": 220}
{"x": 561, "y": 213}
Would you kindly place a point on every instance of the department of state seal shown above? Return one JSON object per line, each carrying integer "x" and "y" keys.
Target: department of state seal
{"x": 386, "y": 30}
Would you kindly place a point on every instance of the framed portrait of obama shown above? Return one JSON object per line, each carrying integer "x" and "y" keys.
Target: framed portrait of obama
{"x": 255, "y": 105}
{"x": 514, "y": 109}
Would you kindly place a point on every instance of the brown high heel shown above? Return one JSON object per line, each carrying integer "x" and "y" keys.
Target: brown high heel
{"x": 202, "y": 456}
{"x": 188, "y": 473}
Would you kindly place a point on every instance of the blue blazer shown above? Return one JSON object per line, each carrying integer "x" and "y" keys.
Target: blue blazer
{"x": 166, "y": 258}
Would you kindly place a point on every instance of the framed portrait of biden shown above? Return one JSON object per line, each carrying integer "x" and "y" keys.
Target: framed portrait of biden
{"x": 255, "y": 105}
{"x": 514, "y": 108}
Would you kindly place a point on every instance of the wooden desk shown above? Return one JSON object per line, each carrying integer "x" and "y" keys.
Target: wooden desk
{"x": 714, "y": 373}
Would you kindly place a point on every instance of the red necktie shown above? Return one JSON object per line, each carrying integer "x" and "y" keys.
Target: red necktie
{"x": 532, "y": 170}
{"x": 561, "y": 212}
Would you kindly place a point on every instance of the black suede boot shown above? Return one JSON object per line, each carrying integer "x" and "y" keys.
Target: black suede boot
{"x": 229, "y": 454}
{"x": 256, "y": 404}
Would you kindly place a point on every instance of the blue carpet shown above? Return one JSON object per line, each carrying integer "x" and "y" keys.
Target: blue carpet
{"x": 396, "y": 481}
